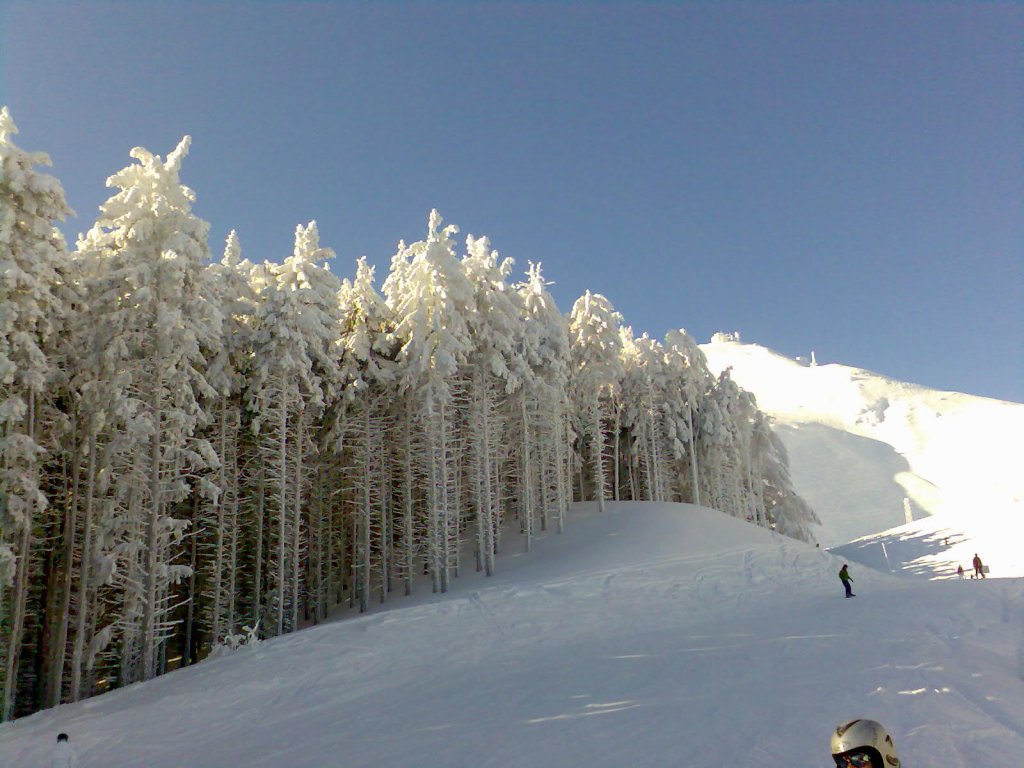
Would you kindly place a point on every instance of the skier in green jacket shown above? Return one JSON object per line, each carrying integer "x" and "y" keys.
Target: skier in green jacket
{"x": 844, "y": 576}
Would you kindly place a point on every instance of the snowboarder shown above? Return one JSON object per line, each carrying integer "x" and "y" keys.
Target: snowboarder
{"x": 960, "y": 572}
{"x": 63, "y": 753}
{"x": 979, "y": 569}
{"x": 846, "y": 578}
{"x": 863, "y": 744}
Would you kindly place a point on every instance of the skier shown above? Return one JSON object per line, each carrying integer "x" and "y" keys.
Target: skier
{"x": 979, "y": 569}
{"x": 846, "y": 578}
{"x": 63, "y": 753}
{"x": 863, "y": 744}
{"x": 960, "y": 572}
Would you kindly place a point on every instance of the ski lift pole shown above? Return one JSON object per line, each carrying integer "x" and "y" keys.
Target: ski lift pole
{"x": 885, "y": 552}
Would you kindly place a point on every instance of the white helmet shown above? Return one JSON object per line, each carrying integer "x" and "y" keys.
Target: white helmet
{"x": 864, "y": 737}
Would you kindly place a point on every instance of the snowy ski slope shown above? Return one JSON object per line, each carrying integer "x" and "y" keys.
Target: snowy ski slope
{"x": 650, "y": 635}
{"x": 860, "y": 443}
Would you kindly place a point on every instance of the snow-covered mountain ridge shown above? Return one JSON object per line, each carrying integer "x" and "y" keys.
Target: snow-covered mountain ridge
{"x": 860, "y": 443}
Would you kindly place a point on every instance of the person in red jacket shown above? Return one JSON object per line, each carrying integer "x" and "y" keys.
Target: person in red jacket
{"x": 979, "y": 569}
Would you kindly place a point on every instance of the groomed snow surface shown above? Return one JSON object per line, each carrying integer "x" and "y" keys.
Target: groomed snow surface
{"x": 647, "y": 635}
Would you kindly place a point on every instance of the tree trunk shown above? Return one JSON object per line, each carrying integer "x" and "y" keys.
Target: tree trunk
{"x": 257, "y": 606}
{"x": 229, "y": 495}
{"x": 55, "y": 684}
{"x": 446, "y": 512}
{"x": 21, "y": 585}
{"x": 152, "y": 535}
{"x": 433, "y": 512}
{"x": 693, "y": 457}
{"x": 616, "y": 492}
{"x": 282, "y": 512}
{"x": 385, "y": 515}
{"x": 297, "y": 518}
{"x": 487, "y": 521}
{"x": 86, "y": 567}
{"x": 218, "y": 567}
{"x": 528, "y": 476}
{"x": 597, "y": 453}
{"x": 363, "y": 561}
{"x": 564, "y": 460}
{"x": 187, "y": 656}
{"x": 319, "y": 593}
{"x": 17, "y": 622}
{"x": 408, "y": 547}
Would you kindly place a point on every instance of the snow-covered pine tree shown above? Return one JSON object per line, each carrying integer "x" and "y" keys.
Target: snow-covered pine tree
{"x": 748, "y": 417}
{"x": 219, "y": 608}
{"x": 597, "y": 367}
{"x": 96, "y": 406}
{"x": 786, "y": 512}
{"x": 718, "y": 447}
{"x": 32, "y": 256}
{"x": 546, "y": 352}
{"x": 687, "y": 369}
{"x": 728, "y": 430}
{"x": 62, "y": 486}
{"x": 294, "y": 374}
{"x": 494, "y": 370}
{"x": 429, "y": 296}
{"x": 364, "y": 424}
{"x": 643, "y": 410}
{"x": 154, "y": 315}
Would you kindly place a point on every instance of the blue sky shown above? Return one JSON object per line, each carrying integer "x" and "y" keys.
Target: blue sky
{"x": 846, "y": 178}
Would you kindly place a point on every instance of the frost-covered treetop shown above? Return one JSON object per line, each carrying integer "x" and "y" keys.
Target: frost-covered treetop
{"x": 31, "y": 252}
{"x": 231, "y": 283}
{"x": 39, "y": 194}
{"x": 317, "y": 307}
{"x": 429, "y": 294}
{"x": 683, "y": 352}
{"x": 7, "y": 126}
{"x": 232, "y": 250}
{"x": 645, "y": 355}
{"x": 151, "y": 185}
{"x": 595, "y": 339}
{"x": 306, "y": 268}
{"x": 148, "y": 237}
{"x": 546, "y": 338}
{"x": 296, "y": 323}
{"x": 366, "y": 337}
{"x": 497, "y": 320}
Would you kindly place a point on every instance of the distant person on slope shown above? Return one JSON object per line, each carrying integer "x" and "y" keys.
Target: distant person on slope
{"x": 979, "y": 569}
{"x": 960, "y": 572}
{"x": 846, "y": 578}
{"x": 63, "y": 753}
{"x": 863, "y": 744}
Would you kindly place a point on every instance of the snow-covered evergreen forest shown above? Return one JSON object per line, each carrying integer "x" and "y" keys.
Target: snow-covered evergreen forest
{"x": 196, "y": 450}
